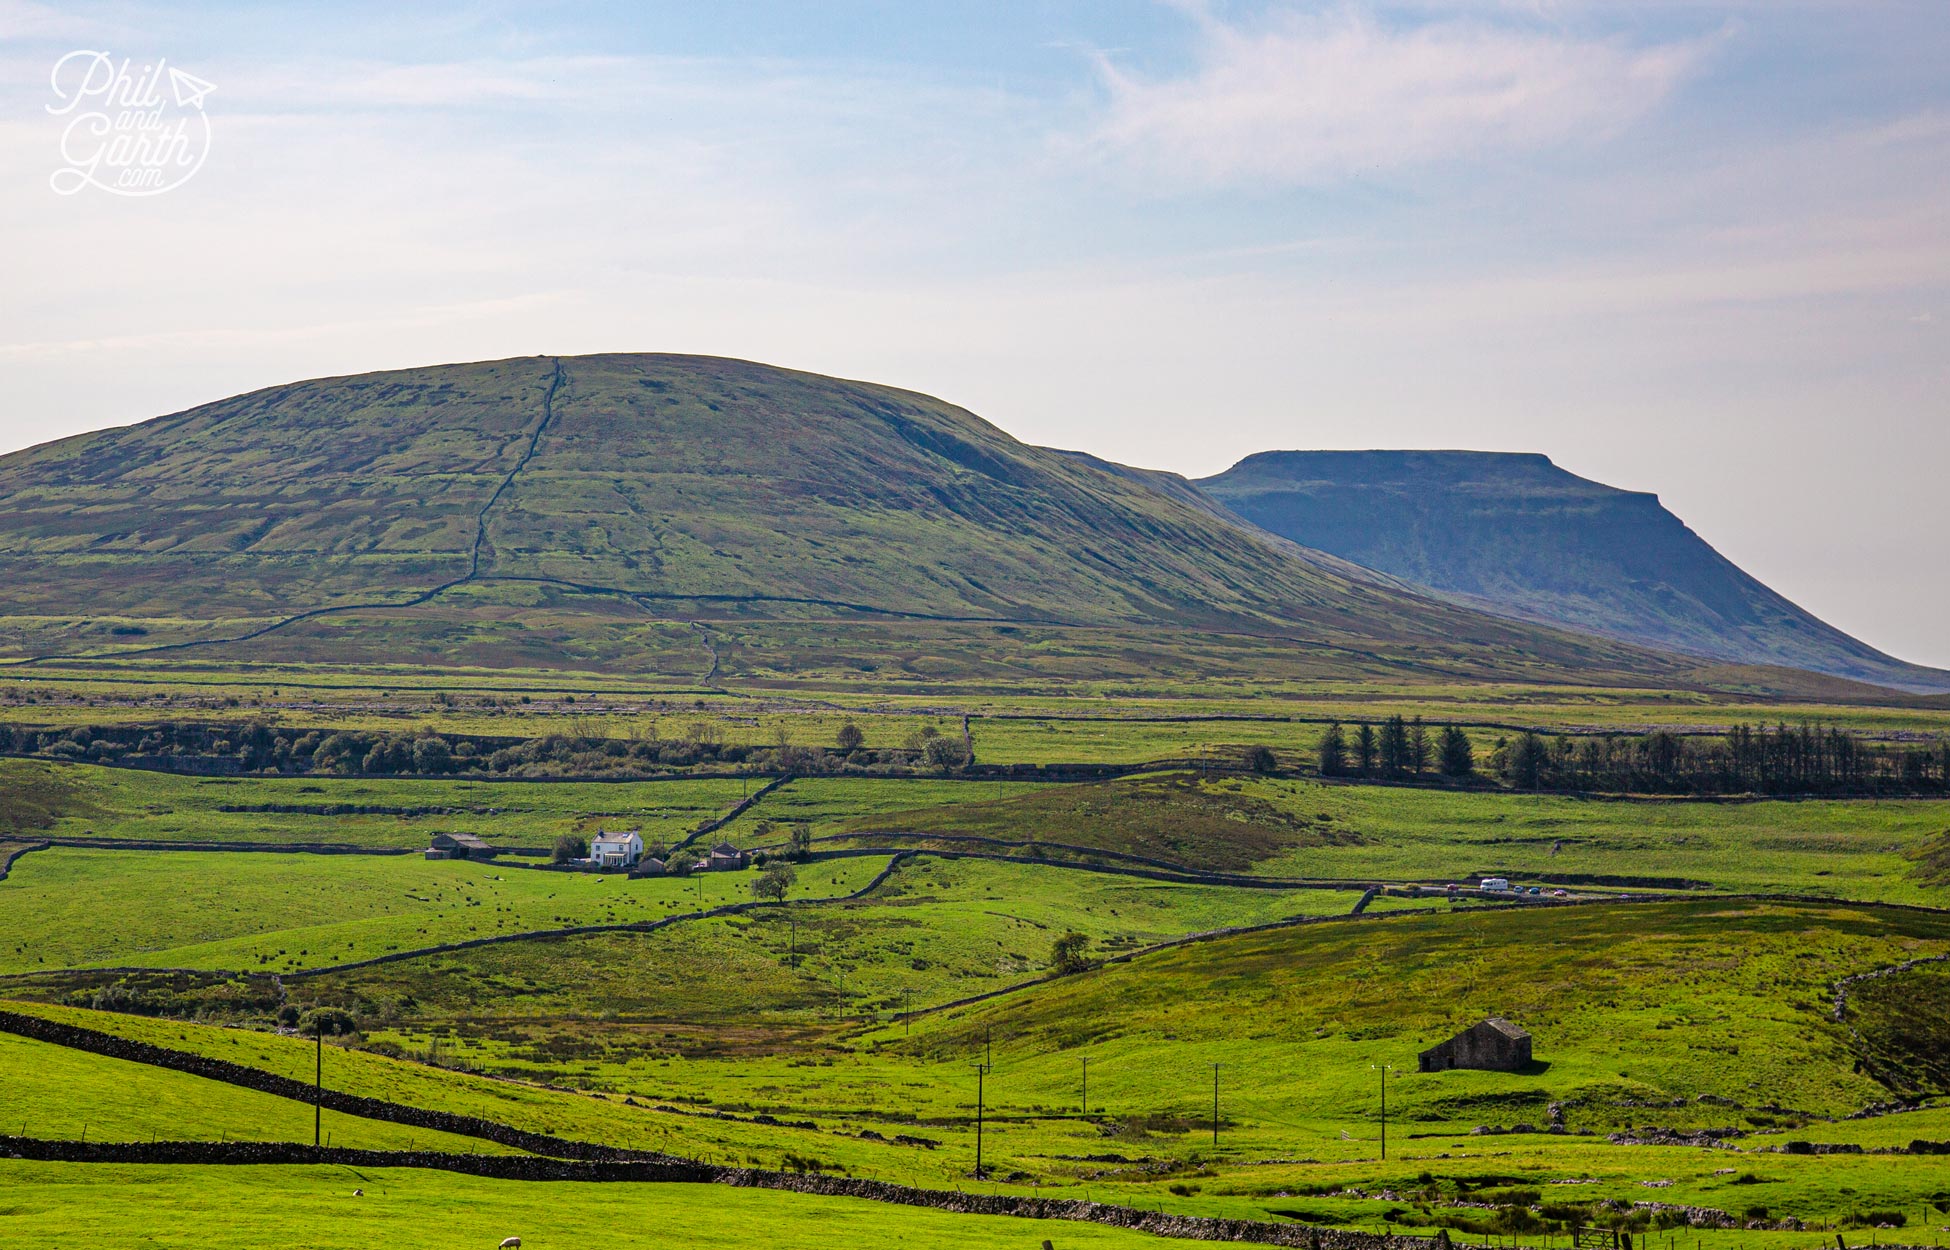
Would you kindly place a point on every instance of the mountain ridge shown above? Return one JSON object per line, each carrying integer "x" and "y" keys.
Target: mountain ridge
{"x": 468, "y": 502}
{"x": 1511, "y": 532}
{"x": 705, "y": 515}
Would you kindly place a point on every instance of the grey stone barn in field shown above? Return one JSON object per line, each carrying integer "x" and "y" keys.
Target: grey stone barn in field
{"x": 459, "y": 846}
{"x": 1495, "y": 1045}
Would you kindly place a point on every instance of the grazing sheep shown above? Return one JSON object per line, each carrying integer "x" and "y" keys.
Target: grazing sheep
{"x": 358, "y": 1193}
{"x": 512, "y": 1243}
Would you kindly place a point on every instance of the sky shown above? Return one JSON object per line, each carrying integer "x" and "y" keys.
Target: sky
{"x": 1696, "y": 249}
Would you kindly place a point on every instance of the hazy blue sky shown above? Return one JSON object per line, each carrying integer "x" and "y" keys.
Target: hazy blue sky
{"x": 1697, "y": 249}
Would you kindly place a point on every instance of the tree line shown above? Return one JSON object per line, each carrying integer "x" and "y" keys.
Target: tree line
{"x": 1798, "y": 759}
{"x": 1399, "y": 748}
{"x": 256, "y": 747}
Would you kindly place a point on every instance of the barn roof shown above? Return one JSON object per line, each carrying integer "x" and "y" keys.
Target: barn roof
{"x": 1512, "y": 1031}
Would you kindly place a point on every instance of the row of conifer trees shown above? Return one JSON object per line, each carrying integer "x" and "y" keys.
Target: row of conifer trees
{"x": 1747, "y": 759}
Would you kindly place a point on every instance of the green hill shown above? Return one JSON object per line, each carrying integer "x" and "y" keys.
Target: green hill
{"x": 586, "y": 511}
{"x": 1516, "y": 534}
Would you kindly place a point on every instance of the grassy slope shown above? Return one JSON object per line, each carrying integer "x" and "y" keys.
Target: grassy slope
{"x": 85, "y": 801}
{"x": 1641, "y": 1004}
{"x": 63, "y": 1206}
{"x": 52, "y": 1092}
{"x": 669, "y": 477}
{"x": 273, "y": 913}
{"x": 1308, "y": 829}
{"x": 1518, "y": 534}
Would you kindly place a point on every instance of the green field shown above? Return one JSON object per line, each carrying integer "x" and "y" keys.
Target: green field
{"x": 52, "y": 1092}
{"x": 278, "y": 913}
{"x": 89, "y": 801}
{"x": 776, "y": 1038}
{"x": 85, "y": 1206}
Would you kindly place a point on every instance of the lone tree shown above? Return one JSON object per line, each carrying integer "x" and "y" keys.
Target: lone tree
{"x": 1418, "y": 746}
{"x": 801, "y": 840}
{"x": 1394, "y": 745}
{"x": 1364, "y": 749}
{"x": 1524, "y": 765}
{"x": 1066, "y": 953}
{"x": 1458, "y": 760}
{"x": 849, "y": 738}
{"x": 1260, "y": 760}
{"x": 571, "y": 846}
{"x": 944, "y": 754}
{"x": 774, "y": 881}
{"x": 1333, "y": 751}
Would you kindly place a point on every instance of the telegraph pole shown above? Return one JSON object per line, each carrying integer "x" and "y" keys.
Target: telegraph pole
{"x": 1215, "y": 1104}
{"x": 981, "y": 1070}
{"x": 1384, "y": 1069}
{"x": 318, "y": 1082}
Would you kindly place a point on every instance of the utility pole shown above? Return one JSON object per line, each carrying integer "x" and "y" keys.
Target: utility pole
{"x": 1384, "y": 1069}
{"x": 1215, "y": 1104}
{"x": 318, "y": 1082}
{"x": 981, "y": 1070}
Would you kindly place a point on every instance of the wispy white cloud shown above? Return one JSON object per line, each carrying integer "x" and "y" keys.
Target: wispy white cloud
{"x": 1306, "y": 98}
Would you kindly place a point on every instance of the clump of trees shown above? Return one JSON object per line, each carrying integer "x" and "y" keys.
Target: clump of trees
{"x": 569, "y": 847}
{"x": 1749, "y": 759}
{"x": 259, "y": 747}
{"x": 1400, "y": 748}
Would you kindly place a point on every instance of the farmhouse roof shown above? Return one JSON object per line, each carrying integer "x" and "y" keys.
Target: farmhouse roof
{"x": 1505, "y": 1027}
{"x": 725, "y": 848}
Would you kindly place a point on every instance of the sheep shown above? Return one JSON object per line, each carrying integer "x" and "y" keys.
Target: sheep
{"x": 512, "y": 1243}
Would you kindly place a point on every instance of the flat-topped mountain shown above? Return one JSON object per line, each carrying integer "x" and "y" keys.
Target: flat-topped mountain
{"x": 586, "y": 510}
{"x": 1516, "y": 534}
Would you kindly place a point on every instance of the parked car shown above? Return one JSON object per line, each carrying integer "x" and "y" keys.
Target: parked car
{"x": 1560, "y": 894}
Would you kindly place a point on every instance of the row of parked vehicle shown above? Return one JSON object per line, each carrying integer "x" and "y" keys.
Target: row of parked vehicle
{"x": 1501, "y": 885}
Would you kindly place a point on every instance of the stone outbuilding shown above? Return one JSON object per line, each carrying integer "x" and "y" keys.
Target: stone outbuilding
{"x": 459, "y": 846}
{"x": 1495, "y": 1045}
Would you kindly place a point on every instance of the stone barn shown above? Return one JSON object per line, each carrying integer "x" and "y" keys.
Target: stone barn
{"x": 1495, "y": 1045}
{"x": 459, "y": 846}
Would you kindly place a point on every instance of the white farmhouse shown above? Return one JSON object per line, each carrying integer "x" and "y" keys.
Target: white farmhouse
{"x": 615, "y": 850}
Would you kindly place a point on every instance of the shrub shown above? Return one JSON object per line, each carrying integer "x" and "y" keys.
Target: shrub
{"x": 328, "y": 1021}
{"x": 570, "y": 846}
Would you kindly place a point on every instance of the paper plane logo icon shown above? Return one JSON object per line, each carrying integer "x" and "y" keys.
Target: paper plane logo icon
{"x": 189, "y": 89}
